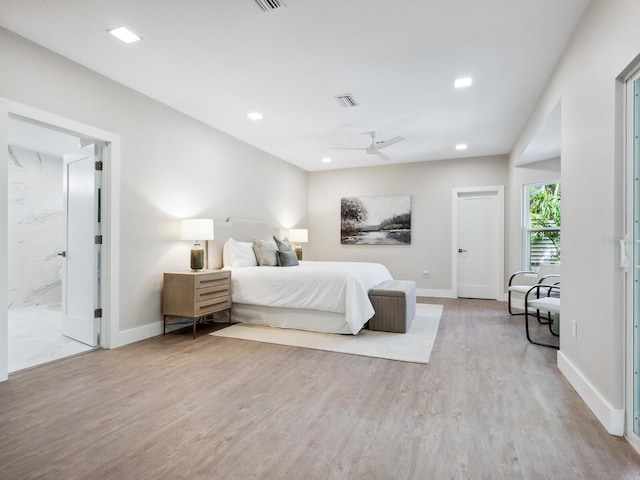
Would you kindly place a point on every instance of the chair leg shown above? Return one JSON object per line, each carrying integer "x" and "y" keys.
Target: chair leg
{"x": 551, "y": 327}
{"x": 540, "y": 321}
{"x": 526, "y": 324}
{"x": 509, "y": 305}
{"x": 539, "y": 318}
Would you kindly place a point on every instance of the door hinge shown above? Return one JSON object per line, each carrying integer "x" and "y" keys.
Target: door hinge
{"x": 98, "y": 240}
{"x": 99, "y": 166}
{"x": 97, "y": 313}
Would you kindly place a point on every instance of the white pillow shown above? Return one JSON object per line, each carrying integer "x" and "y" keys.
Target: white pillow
{"x": 238, "y": 254}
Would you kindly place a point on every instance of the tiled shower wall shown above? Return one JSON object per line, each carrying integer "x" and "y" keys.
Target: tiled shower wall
{"x": 35, "y": 228}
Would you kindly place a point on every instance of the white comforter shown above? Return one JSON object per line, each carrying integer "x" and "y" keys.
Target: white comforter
{"x": 340, "y": 287}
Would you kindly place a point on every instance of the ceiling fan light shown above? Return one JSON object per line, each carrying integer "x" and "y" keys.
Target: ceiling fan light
{"x": 461, "y": 146}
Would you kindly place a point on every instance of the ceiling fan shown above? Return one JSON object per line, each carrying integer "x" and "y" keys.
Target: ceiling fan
{"x": 376, "y": 146}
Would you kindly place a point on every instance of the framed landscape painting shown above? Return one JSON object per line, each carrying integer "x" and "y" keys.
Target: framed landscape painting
{"x": 376, "y": 220}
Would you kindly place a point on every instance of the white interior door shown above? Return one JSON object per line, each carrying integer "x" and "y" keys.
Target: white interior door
{"x": 477, "y": 244}
{"x": 80, "y": 268}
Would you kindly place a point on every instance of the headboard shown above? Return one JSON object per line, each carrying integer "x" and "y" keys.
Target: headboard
{"x": 240, "y": 229}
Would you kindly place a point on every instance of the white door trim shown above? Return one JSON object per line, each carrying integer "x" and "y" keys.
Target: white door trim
{"x": 628, "y": 258}
{"x": 110, "y": 216}
{"x": 456, "y": 193}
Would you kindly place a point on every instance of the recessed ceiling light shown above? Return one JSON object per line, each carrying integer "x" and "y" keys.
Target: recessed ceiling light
{"x": 326, "y": 160}
{"x": 255, "y": 115}
{"x": 463, "y": 82}
{"x": 124, "y": 34}
{"x": 461, "y": 146}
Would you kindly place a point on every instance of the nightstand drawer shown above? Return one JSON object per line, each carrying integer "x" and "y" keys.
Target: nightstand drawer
{"x": 213, "y": 280}
{"x": 212, "y": 305}
{"x": 212, "y": 291}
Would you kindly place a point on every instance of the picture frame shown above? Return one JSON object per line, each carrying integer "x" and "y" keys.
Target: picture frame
{"x": 375, "y": 220}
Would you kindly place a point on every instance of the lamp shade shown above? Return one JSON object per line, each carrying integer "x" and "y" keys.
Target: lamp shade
{"x": 196, "y": 229}
{"x": 298, "y": 235}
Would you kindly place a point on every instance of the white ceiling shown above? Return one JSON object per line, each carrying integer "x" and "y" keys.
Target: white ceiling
{"x": 217, "y": 60}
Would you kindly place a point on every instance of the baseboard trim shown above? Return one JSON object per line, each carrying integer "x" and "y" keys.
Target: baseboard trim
{"x": 425, "y": 292}
{"x": 142, "y": 333}
{"x": 634, "y": 440}
{"x": 154, "y": 329}
{"x": 125, "y": 337}
{"x": 611, "y": 418}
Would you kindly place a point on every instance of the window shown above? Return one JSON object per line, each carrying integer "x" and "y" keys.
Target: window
{"x": 542, "y": 224}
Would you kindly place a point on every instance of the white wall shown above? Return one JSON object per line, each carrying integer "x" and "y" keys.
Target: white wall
{"x": 35, "y": 228}
{"x": 606, "y": 42}
{"x": 172, "y": 166}
{"x": 429, "y": 184}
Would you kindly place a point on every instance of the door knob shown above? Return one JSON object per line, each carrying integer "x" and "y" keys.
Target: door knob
{"x": 461, "y": 250}
{"x": 62, "y": 254}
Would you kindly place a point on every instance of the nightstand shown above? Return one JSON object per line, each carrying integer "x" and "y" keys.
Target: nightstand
{"x": 195, "y": 295}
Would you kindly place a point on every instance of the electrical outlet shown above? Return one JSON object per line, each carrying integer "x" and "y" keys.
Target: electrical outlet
{"x": 426, "y": 274}
{"x": 574, "y": 328}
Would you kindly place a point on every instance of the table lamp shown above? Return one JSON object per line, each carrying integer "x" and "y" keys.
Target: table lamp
{"x": 197, "y": 229}
{"x": 298, "y": 236}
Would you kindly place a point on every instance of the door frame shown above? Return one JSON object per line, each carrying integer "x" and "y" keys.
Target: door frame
{"x": 110, "y": 255}
{"x": 627, "y": 260}
{"x": 456, "y": 193}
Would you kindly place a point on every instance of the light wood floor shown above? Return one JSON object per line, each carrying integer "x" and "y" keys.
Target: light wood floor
{"x": 488, "y": 406}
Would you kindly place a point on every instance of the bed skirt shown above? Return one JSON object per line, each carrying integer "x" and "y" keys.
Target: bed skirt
{"x": 298, "y": 318}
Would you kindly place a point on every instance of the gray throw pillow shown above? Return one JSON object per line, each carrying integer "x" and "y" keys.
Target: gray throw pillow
{"x": 283, "y": 245}
{"x": 266, "y": 252}
{"x": 287, "y": 259}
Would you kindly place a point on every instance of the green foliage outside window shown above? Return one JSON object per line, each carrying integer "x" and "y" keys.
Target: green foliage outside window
{"x": 545, "y": 203}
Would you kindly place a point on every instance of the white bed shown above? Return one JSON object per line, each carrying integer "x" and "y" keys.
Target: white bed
{"x": 329, "y": 297}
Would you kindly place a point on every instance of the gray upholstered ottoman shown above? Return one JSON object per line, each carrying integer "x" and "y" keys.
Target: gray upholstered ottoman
{"x": 394, "y": 302}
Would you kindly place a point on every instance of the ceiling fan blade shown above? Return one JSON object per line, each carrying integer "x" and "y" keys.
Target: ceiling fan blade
{"x": 374, "y": 148}
{"x": 387, "y": 143}
{"x": 382, "y": 155}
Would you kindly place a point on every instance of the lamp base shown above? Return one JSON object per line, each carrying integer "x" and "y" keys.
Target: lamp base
{"x": 298, "y": 250}
{"x": 197, "y": 258}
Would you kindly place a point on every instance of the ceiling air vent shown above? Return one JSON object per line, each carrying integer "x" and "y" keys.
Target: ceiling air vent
{"x": 270, "y": 5}
{"x": 346, "y": 100}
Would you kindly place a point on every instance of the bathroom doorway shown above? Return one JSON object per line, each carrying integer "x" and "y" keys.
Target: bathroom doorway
{"x": 37, "y": 256}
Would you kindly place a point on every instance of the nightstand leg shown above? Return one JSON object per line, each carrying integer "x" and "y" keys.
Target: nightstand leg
{"x": 195, "y": 320}
{"x": 164, "y": 325}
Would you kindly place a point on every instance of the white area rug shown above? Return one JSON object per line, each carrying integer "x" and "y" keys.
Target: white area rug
{"x": 414, "y": 346}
